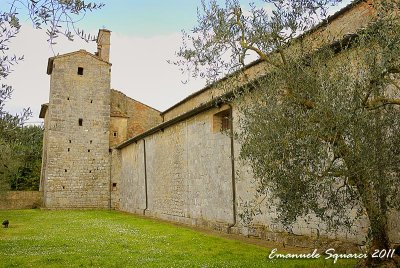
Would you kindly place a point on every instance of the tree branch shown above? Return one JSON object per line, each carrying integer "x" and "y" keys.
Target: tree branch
{"x": 381, "y": 101}
{"x": 243, "y": 42}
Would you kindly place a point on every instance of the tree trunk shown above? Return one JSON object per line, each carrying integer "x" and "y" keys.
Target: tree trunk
{"x": 377, "y": 214}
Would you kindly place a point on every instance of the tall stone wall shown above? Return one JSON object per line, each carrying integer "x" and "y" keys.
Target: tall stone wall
{"x": 115, "y": 179}
{"x": 188, "y": 170}
{"x": 132, "y": 190}
{"x": 78, "y": 163}
{"x": 304, "y": 232}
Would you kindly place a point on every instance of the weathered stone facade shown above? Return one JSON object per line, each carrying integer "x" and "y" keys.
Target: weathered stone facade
{"x": 83, "y": 120}
{"x": 178, "y": 165}
{"x": 77, "y": 165}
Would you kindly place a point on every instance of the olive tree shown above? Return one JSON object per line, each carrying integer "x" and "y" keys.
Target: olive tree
{"x": 321, "y": 129}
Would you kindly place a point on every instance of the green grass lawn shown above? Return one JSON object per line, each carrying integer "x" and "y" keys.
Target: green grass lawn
{"x": 112, "y": 239}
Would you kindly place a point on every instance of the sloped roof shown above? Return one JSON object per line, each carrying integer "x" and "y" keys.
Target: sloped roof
{"x": 81, "y": 51}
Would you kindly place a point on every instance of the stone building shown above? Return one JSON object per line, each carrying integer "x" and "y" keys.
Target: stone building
{"x": 83, "y": 119}
{"x": 105, "y": 150}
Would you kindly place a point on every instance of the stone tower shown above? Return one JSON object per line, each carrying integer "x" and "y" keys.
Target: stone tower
{"x": 76, "y": 158}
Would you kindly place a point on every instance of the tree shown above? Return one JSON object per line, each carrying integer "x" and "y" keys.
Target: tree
{"x": 21, "y": 149}
{"x": 57, "y": 17}
{"x": 321, "y": 131}
{"x": 28, "y": 148}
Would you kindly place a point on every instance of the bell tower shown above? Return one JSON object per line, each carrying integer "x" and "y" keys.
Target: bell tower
{"x": 76, "y": 162}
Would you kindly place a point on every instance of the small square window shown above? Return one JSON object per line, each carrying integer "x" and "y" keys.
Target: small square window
{"x": 114, "y": 186}
{"x": 80, "y": 71}
{"x": 80, "y": 121}
{"x": 222, "y": 121}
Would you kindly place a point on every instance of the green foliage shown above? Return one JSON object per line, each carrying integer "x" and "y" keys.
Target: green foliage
{"x": 321, "y": 129}
{"x": 39, "y": 238}
{"x": 21, "y": 148}
{"x": 226, "y": 35}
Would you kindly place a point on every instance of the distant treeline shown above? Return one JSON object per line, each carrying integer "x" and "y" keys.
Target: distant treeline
{"x": 20, "y": 154}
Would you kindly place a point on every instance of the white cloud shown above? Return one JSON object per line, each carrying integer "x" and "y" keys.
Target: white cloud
{"x": 140, "y": 69}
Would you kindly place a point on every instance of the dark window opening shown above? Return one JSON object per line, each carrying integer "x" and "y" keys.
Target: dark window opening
{"x": 63, "y": 187}
{"x": 115, "y": 134}
{"x": 90, "y": 171}
{"x": 80, "y": 121}
{"x": 222, "y": 121}
{"x": 91, "y": 142}
{"x": 114, "y": 186}
{"x": 80, "y": 71}
{"x": 91, "y": 101}
{"x": 65, "y": 170}
{"x": 70, "y": 141}
{"x": 68, "y": 149}
{"x": 68, "y": 98}
{"x": 88, "y": 150}
{"x": 110, "y": 150}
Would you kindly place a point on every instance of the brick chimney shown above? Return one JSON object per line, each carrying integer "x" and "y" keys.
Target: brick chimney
{"x": 103, "y": 45}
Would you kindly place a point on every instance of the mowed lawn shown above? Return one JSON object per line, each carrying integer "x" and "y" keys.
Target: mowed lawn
{"x": 40, "y": 238}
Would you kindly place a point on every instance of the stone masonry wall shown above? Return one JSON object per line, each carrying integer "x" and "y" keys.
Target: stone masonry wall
{"x": 188, "y": 171}
{"x": 21, "y": 200}
{"x": 116, "y": 163}
{"x": 78, "y": 162}
{"x": 130, "y": 117}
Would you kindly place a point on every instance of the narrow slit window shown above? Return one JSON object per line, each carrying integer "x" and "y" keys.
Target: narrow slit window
{"x": 80, "y": 121}
{"x": 80, "y": 71}
{"x": 114, "y": 186}
{"x": 115, "y": 134}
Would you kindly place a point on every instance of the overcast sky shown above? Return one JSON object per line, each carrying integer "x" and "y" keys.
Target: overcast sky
{"x": 145, "y": 34}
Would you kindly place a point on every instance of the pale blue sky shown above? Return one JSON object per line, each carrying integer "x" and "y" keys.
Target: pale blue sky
{"x": 144, "y": 17}
{"x": 147, "y": 17}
